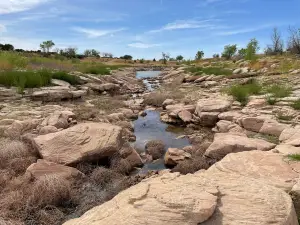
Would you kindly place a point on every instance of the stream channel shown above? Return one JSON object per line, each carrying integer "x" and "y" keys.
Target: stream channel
{"x": 151, "y": 127}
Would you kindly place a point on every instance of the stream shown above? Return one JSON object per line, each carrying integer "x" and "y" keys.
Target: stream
{"x": 151, "y": 127}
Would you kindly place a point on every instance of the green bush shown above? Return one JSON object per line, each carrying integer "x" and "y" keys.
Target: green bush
{"x": 241, "y": 92}
{"x": 279, "y": 91}
{"x": 296, "y": 104}
{"x": 71, "y": 79}
{"x": 295, "y": 157}
{"x": 209, "y": 70}
{"x": 97, "y": 70}
{"x": 271, "y": 101}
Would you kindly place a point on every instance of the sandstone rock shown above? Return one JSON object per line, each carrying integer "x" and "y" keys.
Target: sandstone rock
{"x": 174, "y": 156}
{"x": 60, "y": 83}
{"x": 130, "y": 154}
{"x": 168, "y": 119}
{"x": 272, "y": 127}
{"x": 252, "y": 123}
{"x": 268, "y": 167}
{"x": 289, "y": 135}
{"x": 54, "y": 94}
{"x": 208, "y": 119}
{"x": 17, "y": 128}
{"x": 256, "y": 103}
{"x": 201, "y": 198}
{"x": 212, "y": 105}
{"x": 224, "y": 144}
{"x": 208, "y": 84}
{"x": 179, "y": 107}
{"x": 185, "y": 116}
{"x": 47, "y": 130}
{"x": 57, "y": 119}
{"x": 155, "y": 148}
{"x": 202, "y": 78}
{"x": 224, "y": 126}
{"x": 230, "y": 116}
{"x": 190, "y": 79}
{"x": 167, "y": 102}
{"x": 287, "y": 149}
{"x": 45, "y": 168}
{"x": 82, "y": 142}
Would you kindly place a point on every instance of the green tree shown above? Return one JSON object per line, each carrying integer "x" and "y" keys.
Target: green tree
{"x": 46, "y": 46}
{"x": 179, "y": 58}
{"x": 95, "y": 53}
{"x": 199, "y": 55}
{"x": 229, "y": 51}
{"x": 126, "y": 57}
{"x": 87, "y": 53}
{"x": 242, "y": 52}
{"x": 216, "y": 56}
{"x": 252, "y": 49}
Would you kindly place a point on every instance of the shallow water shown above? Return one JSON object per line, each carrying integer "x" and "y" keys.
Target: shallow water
{"x": 151, "y": 128}
{"x": 145, "y": 74}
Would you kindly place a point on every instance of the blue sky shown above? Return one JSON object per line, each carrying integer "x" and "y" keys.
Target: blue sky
{"x": 145, "y": 28}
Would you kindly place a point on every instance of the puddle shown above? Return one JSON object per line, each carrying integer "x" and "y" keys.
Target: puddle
{"x": 147, "y": 77}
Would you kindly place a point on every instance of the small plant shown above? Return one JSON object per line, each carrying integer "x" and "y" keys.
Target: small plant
{"x": 294, "y": 157}
{"x": 296, "y": 104}
{"x": 239, "y": 94}
{"x": 279, "y": 91}
{"x": 271, "y": 101}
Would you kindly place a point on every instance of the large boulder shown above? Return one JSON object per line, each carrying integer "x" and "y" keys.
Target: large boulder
{"x": 86, "y": 141}
{"x": 17, "y": 128}
{"x": 212, "y": 105}
{"x": 225, "y": 143}
{"x": 202, "y": 198}
{"x": 58, "y": 93}
{"x": 272, "y": 127}
{"x": 185, "y": 116}
{"x": 225, "y": 126}
{"x": 47, "y": 130}
{"x": 208, "y": 119}
{"x": 230, "y": 116}
{"x": 174, "y": 155}
{"x": 45, "y": 168}
{"x": 268, "y": 167}
{"x": 252, "y": 123}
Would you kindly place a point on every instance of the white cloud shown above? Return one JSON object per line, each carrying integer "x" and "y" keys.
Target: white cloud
{"x": 11, "y": 6}
{"x": 142, "y": 45}
{"x": 245, "y": 30}
{"x": 185, "y": 24}
{"x": 94, "y": 33}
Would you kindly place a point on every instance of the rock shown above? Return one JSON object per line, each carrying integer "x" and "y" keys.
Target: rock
{"x": 272, "y": 127}
{"x": 130, "y": 154}
{"x": 47, "y": 130}
{"x": 208, "y": 84}
{"x": 237, "y": 71}
{"x": 202, "y": 78}
{"x": 208, "y": 119}
{"x": 224, "y": 126}
{"x": 167, "y": 102}
{"x": 58, "y": 93}
{"x": 174, "y": 156}
{"x": 212, "y": 105}
{"x": 108, "y": 87}
{"x": 128, "y": 113}
{"x": 252, "y": 123}
{"x": 189, "y": 79}
{"x": 241, "y": 70}
{"x": 287, "y": 149}
{"x": 203, "y": 198}
{"x": 185, "y": 116}
{"x": 268, "y": 167}
{"x": 17, "y": 128}
{"x": 290, "y": 135}
{"x": 232, "y": 116}
{"x": 45, "y": 168}
{"x": 168, "y": 119}
{"x": 155, "y": 148}
{"x": 175, "y": 109}
{"x": 224, "y": 144}
{"x": 60, "y": 83}
{"x": 57, "y": 119}
{"x": 116, "y": 117}
{"x": 295, "y": 71}
{"x": 256, "y": 103}
{"x": 82, "y": 142}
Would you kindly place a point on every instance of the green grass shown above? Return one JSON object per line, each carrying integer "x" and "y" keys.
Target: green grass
{"x": 279, "y": 91}
{"x": 99, "y": 68}
{"x": 241, "y": 92}
{"x": 294, "y": 157}
{"x": 209, "y": 70}
{"x": 296, "y": 104}
{"x": 271, "y": 101}
{"x": 61, "y": 75}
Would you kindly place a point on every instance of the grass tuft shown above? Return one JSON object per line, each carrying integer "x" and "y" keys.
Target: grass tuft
{"x": 279, "y": 91}
{"x": 296, "y": 105}
{"x": 294, "y": 157}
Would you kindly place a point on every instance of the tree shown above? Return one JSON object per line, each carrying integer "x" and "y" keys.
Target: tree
{"x": 179, "y": 58}
{"x": 107, "y": 55}
{"x": 242, "y": 52}
{"x": 229, "y": 51}
{"x": 95, "y": 53}
{"x": 216, "y": 56}
{"x": 87, "y": 52}
{"x": 199, "y": 55}
{"x": 165, "y": 57}
{"x": 126, "y": 57}
{"x": 154, "y": 60}
{"x": 70, "y": 52}
{"x": 294, "y": 40}
{"x": 252, "y": 49}
{"x": 277, "y": 44}
{"x": 46, "y": 46}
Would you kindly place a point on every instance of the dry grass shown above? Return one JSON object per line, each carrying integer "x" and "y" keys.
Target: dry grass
{"x": 191, "y": 165}
{"x": 155, "y": 148}
{"x": 103, "y": 176}
{"x": 108, "y": 104}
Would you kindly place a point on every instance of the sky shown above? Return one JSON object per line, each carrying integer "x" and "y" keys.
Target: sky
{"x": 145, "y": 28}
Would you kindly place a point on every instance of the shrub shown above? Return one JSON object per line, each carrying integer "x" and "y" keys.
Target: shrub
{"x": 279, "y": 91}
{"x": 98, "y": 70}
{"x": 191, "y": 165}
{"x": 271, "y": 101}
{"x": 229, "y": 51}
{"x": 103, "y": 176}
{"x": 296, "y": 104}
{"x": 49, "y": 190}
{"x": 71, "y": 79}
{"x": 251, "y": 50}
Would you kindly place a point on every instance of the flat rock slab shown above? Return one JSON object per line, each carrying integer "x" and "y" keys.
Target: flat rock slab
{"x": 225, "y": 143}
{"x": 82, "y": 142}
{"x": 45, "y": 168}
{"x": 268, "y": 167}
{"x": 213, "y": 198}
